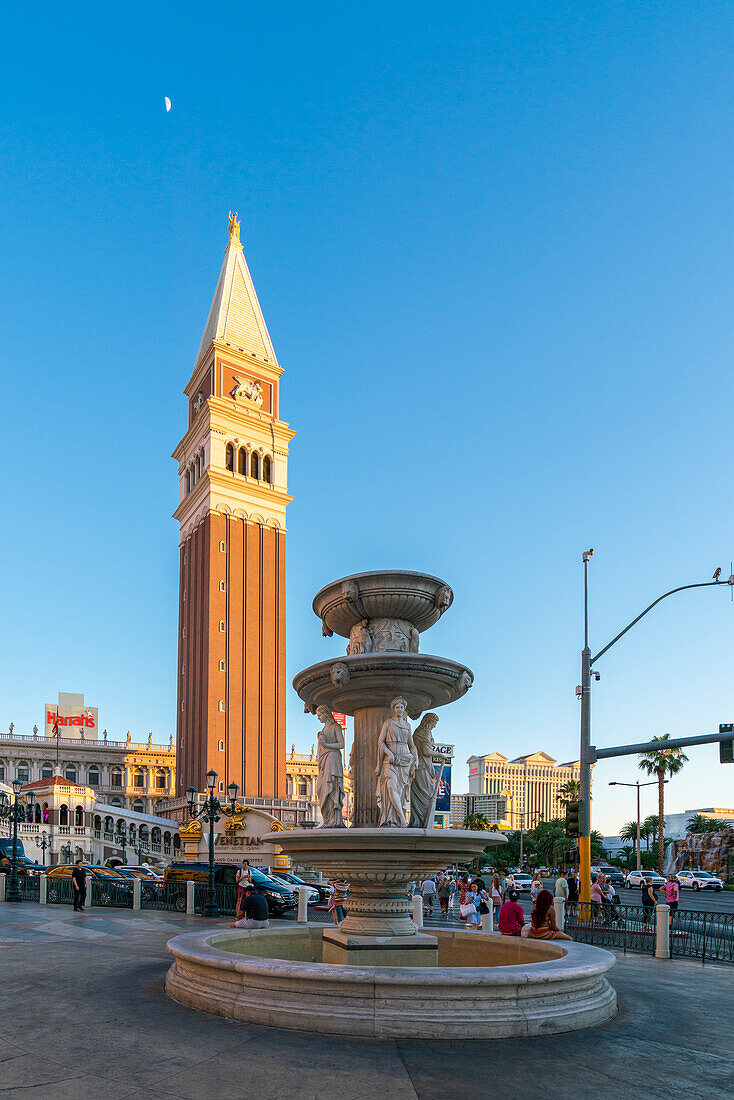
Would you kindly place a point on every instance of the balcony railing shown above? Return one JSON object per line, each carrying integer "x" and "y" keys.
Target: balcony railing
{"x": 75, "y": 742}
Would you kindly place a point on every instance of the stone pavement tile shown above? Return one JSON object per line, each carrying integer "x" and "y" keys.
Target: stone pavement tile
{"x": 278, "y": 1065}
{"x": 31, "y": 1075}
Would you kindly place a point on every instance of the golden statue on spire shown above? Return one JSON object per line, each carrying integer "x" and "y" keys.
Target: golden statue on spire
{"x": 234, "y": 227}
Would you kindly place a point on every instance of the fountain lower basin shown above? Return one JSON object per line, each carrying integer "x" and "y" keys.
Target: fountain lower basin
{"x": 485, "y": 986}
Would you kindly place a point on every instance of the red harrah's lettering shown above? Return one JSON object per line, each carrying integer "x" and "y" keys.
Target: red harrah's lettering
{"x": 76, "y": 720}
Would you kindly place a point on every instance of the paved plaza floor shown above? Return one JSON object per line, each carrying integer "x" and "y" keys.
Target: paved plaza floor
{"x": 83, "y": 1013}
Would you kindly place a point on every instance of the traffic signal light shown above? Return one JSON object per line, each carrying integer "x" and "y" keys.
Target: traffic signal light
{"x": 573, "y": 819}
{"x": 726, "y": 748}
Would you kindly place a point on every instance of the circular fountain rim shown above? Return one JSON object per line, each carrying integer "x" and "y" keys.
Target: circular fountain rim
{"x": 422, "y": 623}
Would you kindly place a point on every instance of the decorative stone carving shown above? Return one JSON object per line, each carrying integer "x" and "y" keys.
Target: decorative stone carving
{"x": 330, "y": 780}
{"x": 396, "y": 764}
{"x": 339, "y": 674}
{"x": 443, "y": 598}
{"x": 391, "y": 636}
{"x": 248, "y": 388}
{"x": 424, "y": 788}
{"x": 414, "y": 640}
{"x": 360, "y": 639}
{"x": 465, "y": 682}
{"x": 325, "y": 630}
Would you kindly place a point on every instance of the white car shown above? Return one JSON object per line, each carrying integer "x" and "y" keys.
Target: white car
{"x": 294, "y": 882}
{"x": 699, "y": 880}
{"x": 636, "y": 878}
{"x": 521, "y": 881}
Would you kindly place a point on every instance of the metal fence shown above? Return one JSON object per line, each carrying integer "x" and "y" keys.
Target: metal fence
{"x": 623, "y": 927}
{"x": 59, "y": 890}
{"x": 171, "y": 896}
{"x": 225, "y": 896}
{"x": 700, "y": 935}
{"x": 115, "y": 895}
{"x": 29, "y": 887}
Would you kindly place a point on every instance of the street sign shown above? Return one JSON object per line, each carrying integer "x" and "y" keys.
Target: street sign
{"x": 726, "y": 748}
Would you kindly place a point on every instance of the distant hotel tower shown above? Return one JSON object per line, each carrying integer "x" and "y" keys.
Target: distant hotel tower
{"x": 233, "y": 464}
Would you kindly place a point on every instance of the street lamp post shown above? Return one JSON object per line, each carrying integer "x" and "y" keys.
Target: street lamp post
{"x": 584, "y": 691}
{"x": 121, "y": 839}
{"x": 616, "y": 783}
{"x": 211, "y": 813}
{"x": 15, "y": 811}
{"x": 43, "y": 845}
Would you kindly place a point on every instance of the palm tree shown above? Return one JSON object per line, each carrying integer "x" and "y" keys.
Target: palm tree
{"x": 476, "y": 821}
{"x": 661, "y": 762}
{"x": 629, "y": 832}
{"x": 629, "y": 852}
{"x": 569, "y": 792}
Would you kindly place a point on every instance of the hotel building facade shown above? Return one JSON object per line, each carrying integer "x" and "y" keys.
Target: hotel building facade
{"x": 532, "y": 783}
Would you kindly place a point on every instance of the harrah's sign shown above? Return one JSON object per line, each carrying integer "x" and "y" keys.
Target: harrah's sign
{"x": 71, "y": 722}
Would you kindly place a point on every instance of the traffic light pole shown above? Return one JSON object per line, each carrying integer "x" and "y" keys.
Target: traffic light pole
{"x": 588, "y": 754}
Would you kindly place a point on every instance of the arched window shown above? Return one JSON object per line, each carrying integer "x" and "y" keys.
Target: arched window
{"x": 37, "y": 817}
{"x": 93, "y": 776}
{"x": 242, "y": 461}
{"x": 302, "y": 788}
{"x": 167, "y": 839}
{"x": 46, "y": 814}
{"x": 79, "y": 816}
{"x": 108, "y": 823}
{"x": 97, "y": 822}
{"x": 229, "y": 461}
{"x": 70, "y": 773}
{"x": 139, "y": 808}
{"x": 78, "y": 854}
{"x": 139, "y": 778}
{"x": 120, "y": 824}
{"x": 116, "y": 777}
{"x": 160, "y": 781}
{"x": 23, "y": 771}
{"x": 188, "y": 482}
{"x": 176, "y": 842}
{"x": 63, "y": 815}
{"x": 255, "y": 464}
{"x": 266, "y": 469}
{"x": 155, "y": 835}
{"x": 47, "y": 770}
{"x": 2, "y": 770}
{"x": 115, "y": 802}
{"x": 133, "y": 832}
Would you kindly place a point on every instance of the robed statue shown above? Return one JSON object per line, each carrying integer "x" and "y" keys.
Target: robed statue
{"x": 424, "y": 788}
{"x": 330, "y": 780}
{"x": 396, "y": 764}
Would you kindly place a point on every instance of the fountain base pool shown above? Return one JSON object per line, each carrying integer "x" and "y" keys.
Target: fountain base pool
{"x": 484, "y": 987}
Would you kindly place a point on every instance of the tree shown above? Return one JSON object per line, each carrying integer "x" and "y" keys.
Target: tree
{"x": 629, "y": 852}
{"x": 629, "y": 832}
{"x": 549, "y": 838}
{"x": 596, "y": 846}
{"x": 569, "y": 792}
{"x": 662, "y": 762}
{"x": 700, "y": 824}
{"x": 649, "y": 829}
{"x": 476, "y": 821}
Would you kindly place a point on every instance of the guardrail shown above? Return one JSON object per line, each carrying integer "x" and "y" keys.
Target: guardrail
{"x": 625, "y": 927}
{"x": 164, "y": 896}
{"x": 696, "y": 934}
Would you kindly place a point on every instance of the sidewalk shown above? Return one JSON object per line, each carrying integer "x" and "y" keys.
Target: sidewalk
{"x": 84, "y": 1015}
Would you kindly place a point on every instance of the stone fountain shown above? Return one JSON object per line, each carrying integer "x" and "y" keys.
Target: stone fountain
{"x": 383, "y": 681}
{"x": 377, "y": 974}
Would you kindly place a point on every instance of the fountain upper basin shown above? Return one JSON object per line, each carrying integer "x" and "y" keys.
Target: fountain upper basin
{"x": 417, "y": 598}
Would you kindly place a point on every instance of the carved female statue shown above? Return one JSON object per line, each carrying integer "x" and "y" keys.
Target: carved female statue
{"x": 396, "y": 764}
{"x": 330, "y": 780}
{"x": 424, "y": 786}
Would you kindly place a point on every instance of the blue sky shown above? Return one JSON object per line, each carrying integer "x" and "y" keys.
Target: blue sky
{"x": 493, "y": 245}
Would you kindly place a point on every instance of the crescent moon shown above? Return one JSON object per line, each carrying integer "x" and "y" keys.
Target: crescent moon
{"x": 167, "y": 102}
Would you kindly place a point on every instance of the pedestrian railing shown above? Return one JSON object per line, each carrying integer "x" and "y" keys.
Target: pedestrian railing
{"x": 224, "y": 896}
{"x": 59, "y": 890}
{"x": 114, "y": 895}
{"x": 625, "y": 927}
{"x": 700, "y": 935}
{"x": 29, "y": 887}
{"x": 170, "y": 896}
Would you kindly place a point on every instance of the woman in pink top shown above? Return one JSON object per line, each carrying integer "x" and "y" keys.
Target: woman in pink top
{"x": 672, "y": 893}
{"x": 597, "y": 898}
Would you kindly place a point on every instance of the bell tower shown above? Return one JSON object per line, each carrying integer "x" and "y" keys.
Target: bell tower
{"x": 232, "y": 466}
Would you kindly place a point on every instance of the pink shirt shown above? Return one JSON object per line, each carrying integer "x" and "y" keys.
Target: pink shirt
{"x": 596, "y": 894}
{"x": 672, "y": 892}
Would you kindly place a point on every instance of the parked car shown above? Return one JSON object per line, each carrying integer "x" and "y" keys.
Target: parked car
{"x": 278, "y": 896}
{"x": 636, "y": 878}
{"x": 103, "y": 876}
{"x": 293, "y": 880}
{"x": 699, "y": 880}
{"x": 522, "y": 881}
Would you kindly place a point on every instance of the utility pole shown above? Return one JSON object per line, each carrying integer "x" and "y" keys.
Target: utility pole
{"x": 588, "y": 754}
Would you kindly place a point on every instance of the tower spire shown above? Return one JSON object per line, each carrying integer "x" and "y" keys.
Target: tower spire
{"x": 235, "y": 317}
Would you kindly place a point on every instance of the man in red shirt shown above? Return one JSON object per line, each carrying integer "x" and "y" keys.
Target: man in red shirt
{"x": 511, "y": 918}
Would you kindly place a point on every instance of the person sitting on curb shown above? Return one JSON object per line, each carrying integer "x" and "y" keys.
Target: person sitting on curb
{"x": 254, "y": 912}
{"x": 512, "y": 917}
